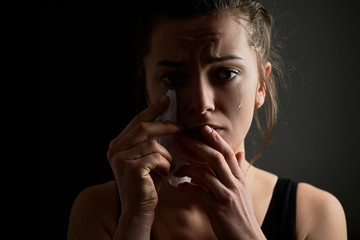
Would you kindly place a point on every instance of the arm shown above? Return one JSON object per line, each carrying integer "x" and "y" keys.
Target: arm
{"x": 138, "y": 164}
{"x": 94, "y": 213}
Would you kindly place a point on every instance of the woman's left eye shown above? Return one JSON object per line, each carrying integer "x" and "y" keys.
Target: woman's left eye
{"x": 226, "y": 74}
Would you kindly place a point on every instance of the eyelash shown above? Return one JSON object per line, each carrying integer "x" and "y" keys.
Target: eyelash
{"x": 176, "y": 78}
{"x": 225, "y": 70}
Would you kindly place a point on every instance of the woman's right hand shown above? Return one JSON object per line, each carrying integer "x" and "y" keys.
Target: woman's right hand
{"x": 139, "y": 163}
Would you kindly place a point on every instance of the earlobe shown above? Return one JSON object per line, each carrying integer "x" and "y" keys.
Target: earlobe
{"x": 260, "y": 95}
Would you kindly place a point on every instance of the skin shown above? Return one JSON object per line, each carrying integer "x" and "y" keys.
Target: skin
{"x": 214, "y": 71}
{"x": 204, "y": 55}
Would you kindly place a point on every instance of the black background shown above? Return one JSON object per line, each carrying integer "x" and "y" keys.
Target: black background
{"x": 88, "y": 99}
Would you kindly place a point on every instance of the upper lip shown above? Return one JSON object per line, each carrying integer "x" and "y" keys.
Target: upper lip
{"x": 194, "y": 131}
{"x": 199, "y": 126}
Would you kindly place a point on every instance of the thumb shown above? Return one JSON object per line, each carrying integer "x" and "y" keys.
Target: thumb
{"x": 240, "y": 156}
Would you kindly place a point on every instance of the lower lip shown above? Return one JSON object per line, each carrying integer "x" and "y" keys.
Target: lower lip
{"x": 198, "y": 134}
{"x": 218, "y": 130}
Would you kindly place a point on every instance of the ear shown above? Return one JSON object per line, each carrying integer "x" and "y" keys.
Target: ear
{"x": 261, "y": 88}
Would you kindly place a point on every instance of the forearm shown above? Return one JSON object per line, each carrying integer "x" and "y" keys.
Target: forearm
{"x": 134, "y": 227}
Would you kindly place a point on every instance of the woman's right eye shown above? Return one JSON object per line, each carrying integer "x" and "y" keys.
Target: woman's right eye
{"x": 173, "y": 78}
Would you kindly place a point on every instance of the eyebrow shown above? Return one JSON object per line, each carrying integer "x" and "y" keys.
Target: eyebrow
{"x": 174, "y": 64}
{"x": 168, "y": 63}
{"x": 225, "y": 58}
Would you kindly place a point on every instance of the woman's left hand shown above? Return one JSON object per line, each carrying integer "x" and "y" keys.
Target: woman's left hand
{"x": 220, "y": 188}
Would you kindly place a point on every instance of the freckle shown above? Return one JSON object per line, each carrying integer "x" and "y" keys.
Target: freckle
{"x": 240, "y": 106}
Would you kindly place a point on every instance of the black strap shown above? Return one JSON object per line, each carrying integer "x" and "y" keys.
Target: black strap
{"x": 280, "y": 219}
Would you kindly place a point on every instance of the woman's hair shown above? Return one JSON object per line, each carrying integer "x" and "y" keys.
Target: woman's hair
{"x": 259, "y": 29}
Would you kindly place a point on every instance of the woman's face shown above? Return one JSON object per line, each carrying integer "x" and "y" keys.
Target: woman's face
{"x": 209, "y": 62}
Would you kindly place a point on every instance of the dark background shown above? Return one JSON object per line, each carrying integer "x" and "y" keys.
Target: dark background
{"x": 88, "y": 100}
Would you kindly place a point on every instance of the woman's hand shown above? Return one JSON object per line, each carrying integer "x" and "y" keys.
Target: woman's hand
{"x": 220, "y": 188}
{"x": 138, "y": 164}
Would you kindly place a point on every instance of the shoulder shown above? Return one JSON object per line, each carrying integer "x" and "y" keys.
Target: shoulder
{"x": 94, "y": 214}
{"x": 319, "y": 215}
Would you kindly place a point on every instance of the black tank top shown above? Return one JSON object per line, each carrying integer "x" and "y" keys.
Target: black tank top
{"x": 280, "y": 219}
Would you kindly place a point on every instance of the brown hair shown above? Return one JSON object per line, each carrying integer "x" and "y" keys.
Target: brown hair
{"x": 259, "y": 28}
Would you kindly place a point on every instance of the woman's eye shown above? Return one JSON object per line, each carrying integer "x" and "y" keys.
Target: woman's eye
{"x": 173, "y": 78}
{"x": 227, "y": 74}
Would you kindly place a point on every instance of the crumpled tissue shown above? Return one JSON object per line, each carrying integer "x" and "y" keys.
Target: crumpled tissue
{"x": 166, "y": 140}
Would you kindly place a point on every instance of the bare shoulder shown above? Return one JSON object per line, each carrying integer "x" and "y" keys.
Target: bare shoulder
{"x": 94, "y": 214}
{"x": 319, "y": 214}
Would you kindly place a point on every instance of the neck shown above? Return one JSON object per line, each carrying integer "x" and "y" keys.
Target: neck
{"x": 246, "y": 167}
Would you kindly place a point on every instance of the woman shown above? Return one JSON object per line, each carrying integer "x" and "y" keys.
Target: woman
{"x": 217, "y": 57}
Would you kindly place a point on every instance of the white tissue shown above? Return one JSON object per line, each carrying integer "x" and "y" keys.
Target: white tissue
{"x": 166, "y": 140}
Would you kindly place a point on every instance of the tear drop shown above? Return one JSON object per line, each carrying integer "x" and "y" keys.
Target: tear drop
{"x": 240, "y": 106}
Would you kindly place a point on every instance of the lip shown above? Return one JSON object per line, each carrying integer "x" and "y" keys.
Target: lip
{"x": 195, "y": 131}
{"x": 199, "y": 126}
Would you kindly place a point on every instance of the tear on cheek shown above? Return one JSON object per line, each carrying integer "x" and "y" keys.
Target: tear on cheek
{"x": 240, "y": 105}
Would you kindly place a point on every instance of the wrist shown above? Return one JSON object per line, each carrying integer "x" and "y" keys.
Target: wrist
{"x": 134, "y": 226}
{"x": 139, "y": 219}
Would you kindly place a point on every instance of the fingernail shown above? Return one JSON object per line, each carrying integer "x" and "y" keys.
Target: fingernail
{"x": 207, "y": 129}
{"x": 164, "y": 100}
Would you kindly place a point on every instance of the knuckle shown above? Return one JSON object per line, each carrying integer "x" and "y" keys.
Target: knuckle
{"x": 110, "y": 155}
{"x": 150, "y": 143}
{"x": 217, "y": 158}
{"x": 112, "y": 143}
{"x": 227, "y": 198}
{"x": 115, "y": 158}
{"x": 142, "y": 126}
{"x": 157, "y": 155}
{"x": 206, "y": 175}
{"x": 228, "y": 152}
{"x": 216, "y": 138}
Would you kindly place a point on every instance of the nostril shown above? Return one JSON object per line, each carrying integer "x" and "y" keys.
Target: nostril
{"x": 200, "y": 107}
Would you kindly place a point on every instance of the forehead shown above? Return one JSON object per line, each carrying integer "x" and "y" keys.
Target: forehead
{"x": 213, "y": 36}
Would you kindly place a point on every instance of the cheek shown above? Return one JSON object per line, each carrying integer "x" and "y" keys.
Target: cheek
{"x": 154, "y": 90}
{"x": 240, "y": 112}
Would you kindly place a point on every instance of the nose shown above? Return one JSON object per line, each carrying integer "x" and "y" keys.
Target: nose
{"x": 200, "y": 98}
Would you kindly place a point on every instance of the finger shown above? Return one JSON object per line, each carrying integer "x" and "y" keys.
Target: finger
{"x": 145, "y": 148}
{"x": 213, "y": 157}
{"x": 148, "y": 147}
{"x": 149, "y": 114}
{"x": 240, "y": 156}
{"x": 152, "y": 162}
{"x": 156, "y": 180}
{"x": 146, "y": 130}
{"x": 204, "y": 178}
{"x": 217, "y": 142}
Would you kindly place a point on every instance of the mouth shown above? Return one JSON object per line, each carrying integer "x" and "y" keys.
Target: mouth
{"x": 195, "y": 132}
